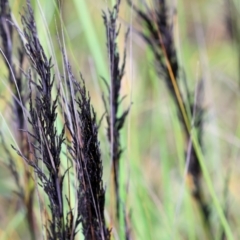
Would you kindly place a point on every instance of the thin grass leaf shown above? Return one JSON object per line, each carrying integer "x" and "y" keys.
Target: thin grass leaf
{"x": 159, "y": 37}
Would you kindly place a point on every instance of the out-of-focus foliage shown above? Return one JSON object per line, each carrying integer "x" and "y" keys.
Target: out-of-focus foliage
{"x": 154, "y": 188}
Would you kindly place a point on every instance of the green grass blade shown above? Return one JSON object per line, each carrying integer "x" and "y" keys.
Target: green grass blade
{"x": 209, "y": 184}
{"x": 91, "y": 36}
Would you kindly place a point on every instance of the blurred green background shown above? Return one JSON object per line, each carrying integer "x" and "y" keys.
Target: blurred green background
{"x": 154, "y": 189}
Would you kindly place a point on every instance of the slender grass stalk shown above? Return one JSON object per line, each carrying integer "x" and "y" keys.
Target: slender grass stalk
{"x": 114, "y": 120}
{"x": 86, "y": 154}
{"x": 209, "y": 184}
{"x": 46, "y": 146}
{"x": 90, "y": 33}
{"x": 61, "y": 135}
{"x": 45, "y": 142}
{"x": 159, "y": 37}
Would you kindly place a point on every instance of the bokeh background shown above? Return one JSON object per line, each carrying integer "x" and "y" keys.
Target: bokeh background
{"x": 154, "y": 187}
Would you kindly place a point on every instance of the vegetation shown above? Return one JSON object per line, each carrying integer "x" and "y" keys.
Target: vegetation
{"x": 143, "y": 144}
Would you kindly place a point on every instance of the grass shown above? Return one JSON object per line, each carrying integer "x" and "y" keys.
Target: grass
{"x": 156, "y": 188}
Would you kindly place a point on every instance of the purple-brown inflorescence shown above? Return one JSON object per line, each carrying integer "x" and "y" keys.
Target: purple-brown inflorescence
{"x": 45, "y": 142}
{"x": 86, "y": 155}
{"x": 115, "y": 120}
{"x": 158, "y": 35}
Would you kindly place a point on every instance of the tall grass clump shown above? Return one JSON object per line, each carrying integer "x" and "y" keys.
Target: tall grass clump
{"x": 161, "y": 162}
{"x": 46, "y": 145}
{"x": 158, "y": 34}
{"x": 159, "y": 37}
